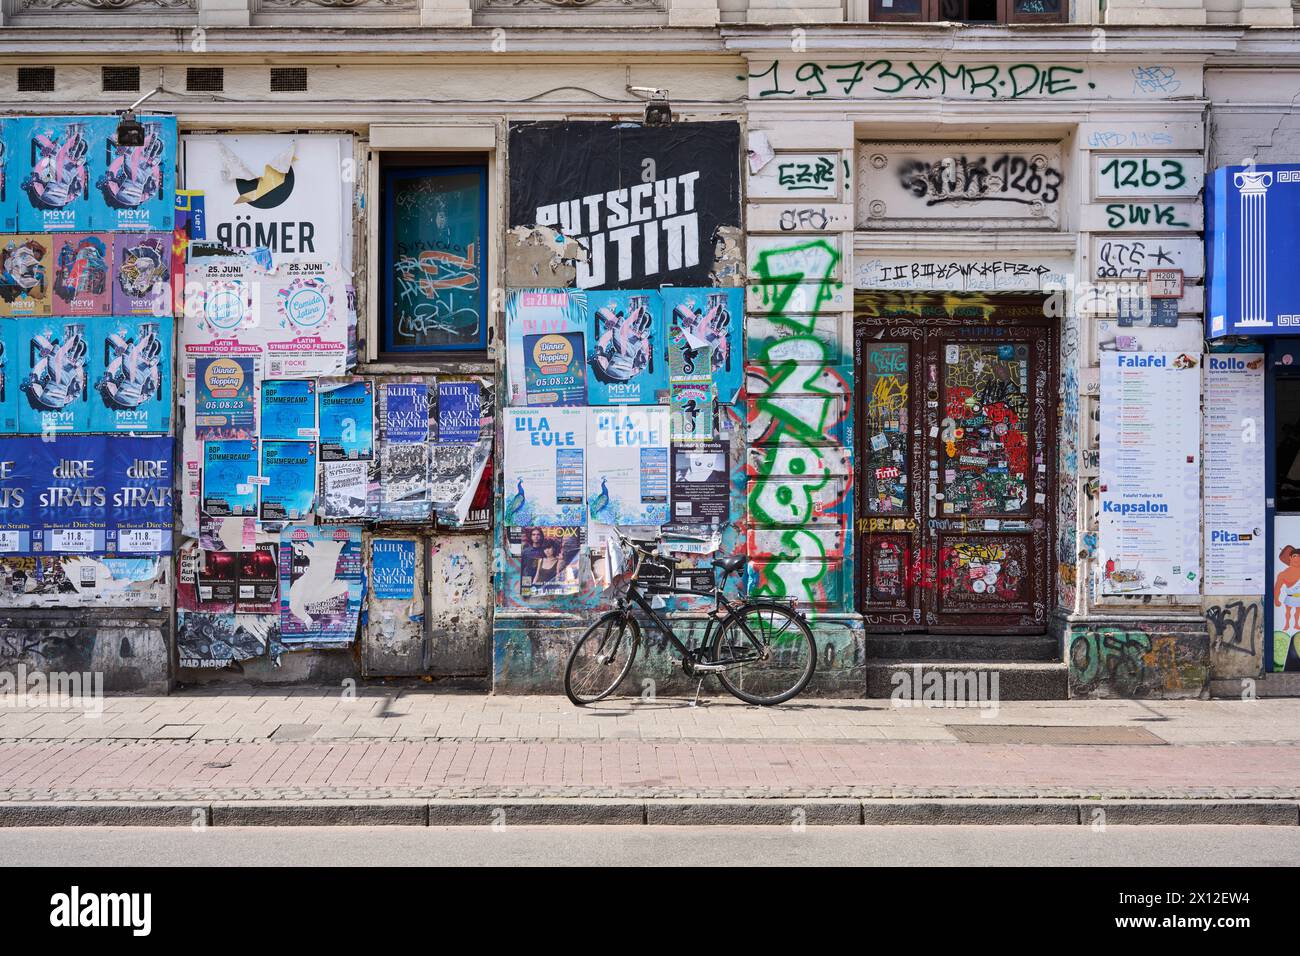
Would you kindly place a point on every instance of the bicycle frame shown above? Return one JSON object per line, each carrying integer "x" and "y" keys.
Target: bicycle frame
{"x": 723, "y": 610}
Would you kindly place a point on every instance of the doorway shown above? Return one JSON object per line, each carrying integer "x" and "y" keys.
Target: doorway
{"x": 955, "y": 463}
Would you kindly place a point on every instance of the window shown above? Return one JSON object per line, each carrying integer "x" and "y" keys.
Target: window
{"x": 971, "y": 11}
{"x": 432, "y": 267}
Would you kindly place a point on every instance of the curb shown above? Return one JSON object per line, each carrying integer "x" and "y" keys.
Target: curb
{"x": 667, "y": 812}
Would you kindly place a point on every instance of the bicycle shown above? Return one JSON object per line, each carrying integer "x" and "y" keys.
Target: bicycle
{"x": 761, "y": 650}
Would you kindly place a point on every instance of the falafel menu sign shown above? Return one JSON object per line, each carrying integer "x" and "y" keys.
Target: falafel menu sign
{"x": 1150, "y": 473}
{"x": 288, "y": 194}
{"x": 645, "y": 202}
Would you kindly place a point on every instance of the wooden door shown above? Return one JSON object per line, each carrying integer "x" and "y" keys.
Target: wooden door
{"x": 955, "y": 473}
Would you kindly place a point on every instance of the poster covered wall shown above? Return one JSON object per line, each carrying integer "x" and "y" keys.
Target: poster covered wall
{"x": 1150, "y": 475}
{"x": 588, "y": 180}
{"x": 1284, "y": 652}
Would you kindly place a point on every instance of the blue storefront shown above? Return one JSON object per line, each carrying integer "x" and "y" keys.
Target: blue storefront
{"x": 1253, "y": 326}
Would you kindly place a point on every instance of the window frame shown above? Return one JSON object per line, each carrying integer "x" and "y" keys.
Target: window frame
{"x": 1007, "y": 14}
{"x": 388, "y": 174}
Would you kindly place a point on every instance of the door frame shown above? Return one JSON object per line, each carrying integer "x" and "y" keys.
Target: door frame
{"x": 876, "y": 311}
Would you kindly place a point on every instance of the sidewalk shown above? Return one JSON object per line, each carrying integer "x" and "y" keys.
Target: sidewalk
{"x": 415, "y": 747}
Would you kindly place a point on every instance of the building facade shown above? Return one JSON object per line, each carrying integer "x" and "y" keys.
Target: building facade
{"x": 910, "y": 313}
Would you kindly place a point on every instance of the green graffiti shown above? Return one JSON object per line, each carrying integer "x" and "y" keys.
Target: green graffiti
{"x": 796, "y": 411}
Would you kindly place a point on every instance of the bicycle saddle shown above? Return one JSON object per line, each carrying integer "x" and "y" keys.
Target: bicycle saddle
{"x": 730, "y": 565}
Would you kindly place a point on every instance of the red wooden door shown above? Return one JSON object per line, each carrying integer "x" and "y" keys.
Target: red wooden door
{"x": 955, "y": 473}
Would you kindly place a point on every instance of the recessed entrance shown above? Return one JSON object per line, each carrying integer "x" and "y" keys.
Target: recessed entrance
{"x": 955, "y": 462}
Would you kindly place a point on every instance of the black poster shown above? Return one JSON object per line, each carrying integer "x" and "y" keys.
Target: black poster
{"x": 646, "y": 202}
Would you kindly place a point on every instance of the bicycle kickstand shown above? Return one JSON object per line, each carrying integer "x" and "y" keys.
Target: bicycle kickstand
{"x": 696, "y": 701}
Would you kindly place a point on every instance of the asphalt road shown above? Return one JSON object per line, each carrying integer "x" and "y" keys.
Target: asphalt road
{"x": 653, "y": 846}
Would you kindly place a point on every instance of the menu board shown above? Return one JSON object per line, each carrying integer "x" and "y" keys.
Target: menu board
{"x": 1150, "y": 534}
{"x": 1234, "y": 473}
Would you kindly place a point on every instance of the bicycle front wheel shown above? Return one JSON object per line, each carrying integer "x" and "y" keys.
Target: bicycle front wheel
{"x": 601, "y": 658}
{"x": 773, "y": 651}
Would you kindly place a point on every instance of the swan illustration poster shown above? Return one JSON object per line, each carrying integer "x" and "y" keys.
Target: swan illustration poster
{"x": 134, "y": 187}
{"x": 704, "y": 325}
{"x": 131, "y": 374}
{"x": 545, "y": 467}
{"x": 625, "y": 360}
{"x": 627, "y": 466}
{"x": 320, "y": 584}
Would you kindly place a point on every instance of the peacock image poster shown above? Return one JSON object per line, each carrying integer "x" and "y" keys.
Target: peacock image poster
{"x": 53, "y": 376}
{"x": 627, "y": 467}
{"x": 545, "y": 467}
{"x": 625, "y": 353}
{"x": 131, "y": 374}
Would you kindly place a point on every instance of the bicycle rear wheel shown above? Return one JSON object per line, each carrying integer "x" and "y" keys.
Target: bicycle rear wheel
{"x": 601, "y": 658}
{"x": 760, "y": 628}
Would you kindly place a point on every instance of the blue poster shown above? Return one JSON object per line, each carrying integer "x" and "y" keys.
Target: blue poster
{"x": 223, "y": 398}
{"x": 140, "y": 517}
{"x": 9, "y": 390}
{"x": 134, "y": 187}
{"x": 17, "y": 504}
{"x": 72, "y": 480}
{"x": 347, "y": 420}
{"x": 708, "y": 319}
{"x": 49, "y": 159}
{"x": 392, "y": 569}
{"x": 229, "y": 475}
{"x": 131, "y": 374}
{"x": 8, "y": 182}
{"x": 288, "y": 480}
{"x": 53, "y": 375}
{"x": 288, "y": 409}
{"x": 625, "y": 350}
{"x": 460, "y": 408}
{"x": 406, "y": 412}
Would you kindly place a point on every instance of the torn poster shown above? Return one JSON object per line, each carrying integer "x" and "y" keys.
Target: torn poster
{"x": 708, "y": 320}
{"x": 345, "y": 487}
{"x": 320, "y": 584}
